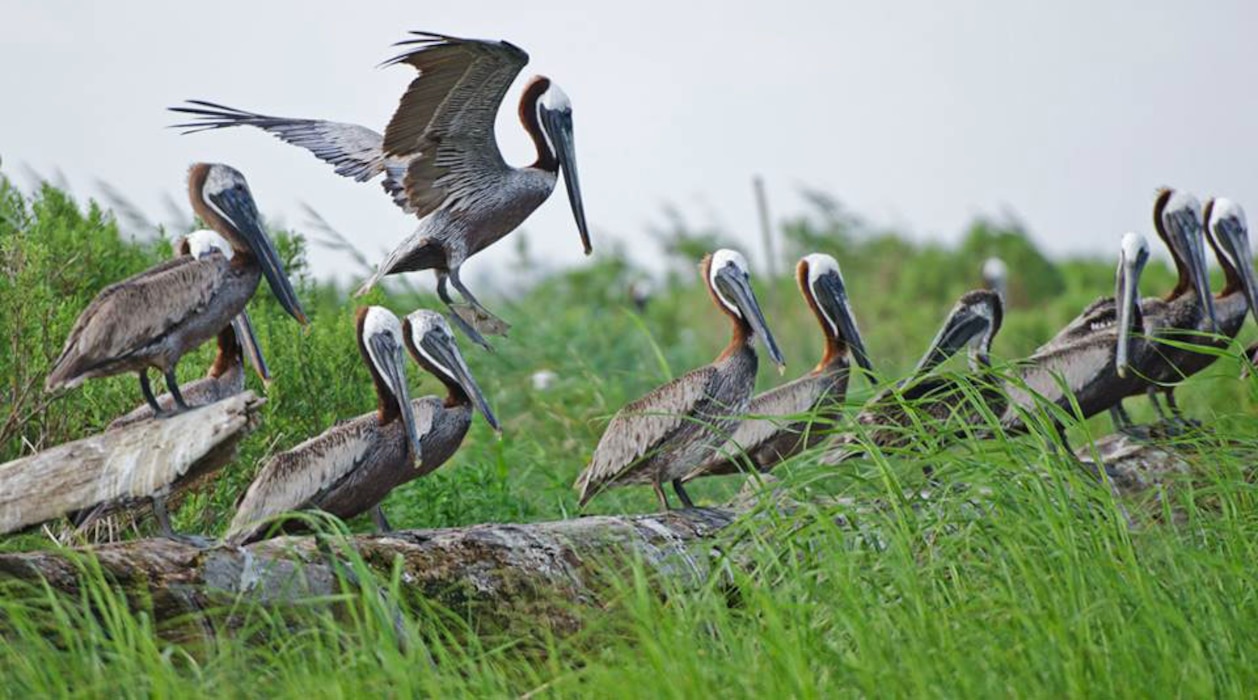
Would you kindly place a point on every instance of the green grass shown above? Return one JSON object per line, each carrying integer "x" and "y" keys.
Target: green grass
{"x": 1036, "y": 589}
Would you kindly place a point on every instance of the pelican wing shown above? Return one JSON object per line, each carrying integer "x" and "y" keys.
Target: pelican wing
{"x": 770, "y": 413}
{"x": 355, "y": 151}
{"x": 297, "y": 478}
{"x": 444, "y": 125}
{"x": 641, "y": 427}
{"x": 129, "y": 315}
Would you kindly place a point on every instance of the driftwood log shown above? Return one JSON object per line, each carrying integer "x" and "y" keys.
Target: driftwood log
{"x": 541, "y": 574}
{"x": 121, "y": 467}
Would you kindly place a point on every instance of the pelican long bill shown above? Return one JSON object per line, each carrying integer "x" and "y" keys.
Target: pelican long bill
{"x": 249, "y": 345}
{"x": 836, "y": 306}
{"x": 1183, "y": 216}
{"x": 1132, "y": 259}
{"x": 390, "y": 360}
{"x": 1232, "y": 234}
{"x": 441, "y": 349}
{"x": 238, "y": 207}
{"x": 558, "y": 126}
{"x": 734, "y": 284}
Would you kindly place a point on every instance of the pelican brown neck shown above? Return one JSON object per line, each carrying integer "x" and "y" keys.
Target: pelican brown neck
{"x": 229, "y": 353}
{"x": 546, "y": 158}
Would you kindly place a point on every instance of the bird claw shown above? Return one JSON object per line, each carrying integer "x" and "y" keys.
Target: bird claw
{"x": 480, "y": 319}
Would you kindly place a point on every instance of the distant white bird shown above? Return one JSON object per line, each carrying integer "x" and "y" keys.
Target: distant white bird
{"x": 544, "y": 379}
{"x": 996, "y": 276}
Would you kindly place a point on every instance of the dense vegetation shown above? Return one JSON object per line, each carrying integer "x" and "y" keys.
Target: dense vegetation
{"x": 1049, "y": 593}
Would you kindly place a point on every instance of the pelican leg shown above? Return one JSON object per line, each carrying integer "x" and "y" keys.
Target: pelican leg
{"x": 485, "y": 316}
{"x": 173, "y": 386}
{"x": 1118, "y": 415}
{"x": 681, "y": 493}
{"x": 1152, "y": 391}
{"x": 163, "y": 517}
{"x": 377, "y": 517}
{"x": 148, "y": 394}
{"x": 468, "y": 329}
{"x": 660, "y": 496}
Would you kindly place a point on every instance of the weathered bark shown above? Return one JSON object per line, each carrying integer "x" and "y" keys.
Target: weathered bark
{"x": 120, "y": 467}
{"x": 539, "y": 574}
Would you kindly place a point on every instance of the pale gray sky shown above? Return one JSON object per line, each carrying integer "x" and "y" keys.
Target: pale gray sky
{"x": 918, "y": 114}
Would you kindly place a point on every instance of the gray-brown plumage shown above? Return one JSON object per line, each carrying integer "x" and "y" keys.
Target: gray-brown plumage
{"x": 662, "y": 436}
{"x": 1227, "y": 233}
{"x": 440, "y": 159}
{"x": 797, "y": 415}
{"x": 236, "y": 343}
{"x": 891, "y": 419}
{"x": 351, "y": 467}
{"x": 1087, "y": 374}
{"x": 153, "y": 318}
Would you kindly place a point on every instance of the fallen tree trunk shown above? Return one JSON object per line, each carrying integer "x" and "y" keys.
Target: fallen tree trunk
{"x": 119, "y": 467}
{"x": 540, "y": 575}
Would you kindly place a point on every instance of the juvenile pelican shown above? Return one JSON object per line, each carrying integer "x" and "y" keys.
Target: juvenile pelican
{"x": 888, "y": 419}
{"x": 440, "y": 159}
{"x": 236, "y": 342}
{"x": 662, "y": 436}
{"x": 352, "y": 466}
{"x": 153, "y": 318}
{"x": 797, "y": 415}
{"x": 1228, "y": 235}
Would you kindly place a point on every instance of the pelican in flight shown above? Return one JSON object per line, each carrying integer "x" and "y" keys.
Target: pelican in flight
{"x": 795, "y": 416}
{"x": 889, "y": 418}
{"x": 153, "y": 318}
{"x": 236, "y": 343}
{"x": 351, "y": 467}
{"x": 440, "y": 160}
{"x": 662, "y": 436}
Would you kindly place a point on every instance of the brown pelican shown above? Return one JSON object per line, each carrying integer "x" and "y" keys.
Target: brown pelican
{"x": 1088, "y": 373}
{"x": 1228, "y": 235}
{"x": 153, "y": 318}
{"x": 236, "y": 342}
{"x": 794, "y": 417}
{"x": 351, "y": 467}
{"x": 662, "y": 436}
{"x": 1176, "y": 219}
{"x": 440, "y": 159}
{"x": 889, "y": 418}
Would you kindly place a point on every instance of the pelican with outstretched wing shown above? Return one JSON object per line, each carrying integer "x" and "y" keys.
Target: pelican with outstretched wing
{"x": 440, "y": 160}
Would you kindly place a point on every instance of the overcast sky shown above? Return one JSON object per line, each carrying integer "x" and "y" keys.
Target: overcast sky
{"x": 916, "y": 114}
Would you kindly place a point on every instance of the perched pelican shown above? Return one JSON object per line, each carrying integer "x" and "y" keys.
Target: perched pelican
{"x": 351, "y": 467}
{"x": 662, "y": 436}
{"x": 996, "y": 276}
{"x": 817, "y": 397}
{"x": 153, "y": 318}
{"x": 1228, "y": 236}
{"x": 1091, "y": 370}
{"x": 1174, "y": 214}
{"x": 888, "y": 418}
{"x": 440, "y": 159}
{"x": 236, "y": 342}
